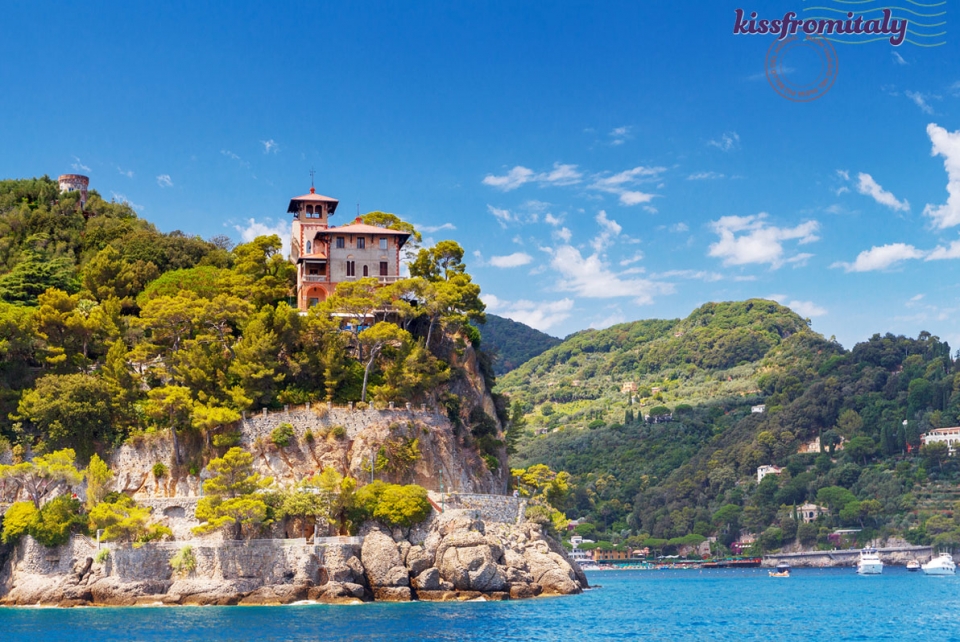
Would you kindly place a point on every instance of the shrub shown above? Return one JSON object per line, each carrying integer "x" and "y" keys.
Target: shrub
{"x": 402, "y": 505}
{"x": 308, "y": 436}
{"x": 362, "y": 405}
{"x": 121, "y": 519}
{"x": 282, "y": 435}
{"x": 184, "y": 561}
{"x": 17, "y": 521}
{"x": 337, "y": 432}
{"x": 56, "y": 520}
{"x": 159, "y": 470}
{"x": 227, "y": 439}
{"x": 101, "y": 555}
{"x": 596, "y": 423}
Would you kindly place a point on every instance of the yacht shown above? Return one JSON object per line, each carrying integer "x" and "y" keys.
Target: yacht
{"x": 783, "y": 570}
{"x": 913, "y": 566}
{"x": 869, "y": 563}
{"x": 940, "y": 565}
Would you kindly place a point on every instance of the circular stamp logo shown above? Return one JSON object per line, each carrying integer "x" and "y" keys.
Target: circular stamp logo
{"x": 814, "y": 80}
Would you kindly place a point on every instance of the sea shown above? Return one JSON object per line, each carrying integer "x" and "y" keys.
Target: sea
{"x": 729, "y": 605}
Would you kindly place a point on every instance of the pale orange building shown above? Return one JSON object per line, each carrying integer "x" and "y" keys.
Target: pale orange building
{"x": 326, "y": 256}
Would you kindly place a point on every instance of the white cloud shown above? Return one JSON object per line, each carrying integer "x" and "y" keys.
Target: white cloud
{"x": 881, "y": 258}
{"x": 511, "y": 260}
{"x": 120, "y": 198}
{"x": 609, "y": 229}
{"x": 620, "y": 135}
{"x": 844, "y": 174}
{"x": 806, "y": 309}
{"x": 612, "y": 319}
{"x": 564, "y": 234}
{"x": 946, "y": 144}
{"x": 950, "y": 252}
{"x": 540, "y": 315}
{"x": 727, "y": 142}
{"x": 253, "y": 229}
{"x": 235, "y": 157}
{"x": 164, "y": 180}
{"x": 128, "y": 172}
{"x": 590, "y": 277}
{"x": 704, "y": 176}
{"x": 897, "y": 58}
{"x": 80, "y": 167}
{"x": 270, "y": 146}
{"x": 869, "y": 187}
{"x": 760, "y": 242}
{"x": 553, "y": 220}
{"x": 618, "y": 184}
{"x": 503, "y": 216}
{"x": 650, "y": 209}
{"x": 920, "y": 100}
{"x": 693, "y": 275}
{"x": 561, "y": 174}
{"x": 430, "y": 229}
{"x": 679, "y": 227}
{"x": 638, "y": 256}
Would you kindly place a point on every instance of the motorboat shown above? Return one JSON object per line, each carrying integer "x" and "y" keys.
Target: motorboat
{"x": 942, "y": 564}
{"x": 913, "y": 566}
{"x": 783, "y": 570}
{"x": 869, "y": 563}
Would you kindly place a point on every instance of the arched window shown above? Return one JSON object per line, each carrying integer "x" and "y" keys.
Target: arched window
{"x": 308, "y": 247}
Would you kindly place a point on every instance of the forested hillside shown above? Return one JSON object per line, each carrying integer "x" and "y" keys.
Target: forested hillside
{"x": 110, "y": 329}
{"x": 512, "y": 343}
{"x": 730, "y": 388}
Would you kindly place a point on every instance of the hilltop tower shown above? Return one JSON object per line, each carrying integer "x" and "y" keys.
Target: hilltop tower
{"x": 75, "y": 183}
{"x": 326, "y": 256}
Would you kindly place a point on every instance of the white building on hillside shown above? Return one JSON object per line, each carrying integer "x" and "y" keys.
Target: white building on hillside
{"x": 948, "y": 436}
{"x": 763, "y": 471}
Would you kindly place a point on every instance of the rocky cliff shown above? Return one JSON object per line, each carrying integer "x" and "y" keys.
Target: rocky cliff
{"x": 452, "y": 556}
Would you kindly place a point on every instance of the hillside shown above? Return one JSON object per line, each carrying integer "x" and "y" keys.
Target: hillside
{"x": 679, "y": 456}
{"x": 512, "y": 343}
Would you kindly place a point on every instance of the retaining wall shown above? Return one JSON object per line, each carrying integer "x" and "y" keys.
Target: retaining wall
{"x": 504, "y": 509}
{"x": 893, "y": 556}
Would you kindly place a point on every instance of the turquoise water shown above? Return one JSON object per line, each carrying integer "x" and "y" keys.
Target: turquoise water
{"x": 631, "y": 605}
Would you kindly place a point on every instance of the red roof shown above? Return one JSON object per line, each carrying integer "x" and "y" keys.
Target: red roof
{"x": 317, "y": 256}
{"x": 312, "y": 197}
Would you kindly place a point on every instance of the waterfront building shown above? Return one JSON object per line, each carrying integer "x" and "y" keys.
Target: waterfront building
{"x": 327, "y": 256}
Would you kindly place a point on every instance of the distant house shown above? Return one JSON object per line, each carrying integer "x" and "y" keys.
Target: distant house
{"x": 948, "y": 436}
{"x": 810, "y": 512}
{"x": 763, "y": 471}
{"x": 758, "y": 409}
{"x": 628, "y": 386}
{"x": 814, "y": 446}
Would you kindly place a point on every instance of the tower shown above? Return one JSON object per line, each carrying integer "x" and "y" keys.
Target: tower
{"x": 75, "y": 183}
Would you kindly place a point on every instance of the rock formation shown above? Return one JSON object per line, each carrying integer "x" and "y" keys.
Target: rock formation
{"x": 452, "y": 556}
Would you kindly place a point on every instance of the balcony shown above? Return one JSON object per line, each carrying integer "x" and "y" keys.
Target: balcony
{"x": 314, "y": 278}
{"x": 383, "y": 280}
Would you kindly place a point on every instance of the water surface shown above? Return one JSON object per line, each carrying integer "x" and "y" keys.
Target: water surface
{"x": 743, "y": 604}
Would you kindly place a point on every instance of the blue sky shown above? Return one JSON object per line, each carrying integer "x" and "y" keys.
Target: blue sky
{"x": 600, "y": 162}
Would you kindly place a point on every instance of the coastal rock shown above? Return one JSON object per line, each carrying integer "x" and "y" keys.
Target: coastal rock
{"x": 276, "y": 594}
{"x": 418, "y": 560}
{"x": 428, "y": 580}
{"x": 392, "y": 594}
{"x": 381, "y": 562}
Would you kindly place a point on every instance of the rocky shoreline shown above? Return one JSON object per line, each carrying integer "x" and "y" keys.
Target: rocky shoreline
{"x": 452, "y": 556}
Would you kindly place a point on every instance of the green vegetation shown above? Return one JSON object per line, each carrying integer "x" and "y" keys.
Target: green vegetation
{"x": 282, "y": 435}
{"x": 392, "y": 504}
{"x": 184, "y": 561}
{"x": 512, "y": 343}
{"x": 231, "y": 500}
{"x": 678, "y": 457}
{"x": 112, "y": 330}
{"x": 121, "y": 519}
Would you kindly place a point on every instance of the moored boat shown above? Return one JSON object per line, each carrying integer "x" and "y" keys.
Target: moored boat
{"x": 942, "y": 564}
{"x": 783, "y": 570}
{"x": 869, "y": 563}
{"x": 913, "y": 566}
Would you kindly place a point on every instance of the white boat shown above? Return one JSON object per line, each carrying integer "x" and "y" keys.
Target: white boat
{"x": 913, "y": 566}
{"x": 940, "y": 565}
{"x": 869, "y": 563}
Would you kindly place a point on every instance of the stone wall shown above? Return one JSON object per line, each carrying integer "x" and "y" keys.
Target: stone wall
{"x": 502, "y": 509}
{"x": 893, "y": 556}
{"x": 319, "y": 417}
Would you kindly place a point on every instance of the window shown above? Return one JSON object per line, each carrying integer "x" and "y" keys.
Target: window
{"x": 361, "y": 243}
{"x": 340, "y": 242}
{"x": 366, "y": 272}
{"x": 309, "y": 246}
{"x": 383, "y": 268}
{"x": 312, "y": 301}
{"x": 383, "y": 243}
{"x": 351, "y": 268}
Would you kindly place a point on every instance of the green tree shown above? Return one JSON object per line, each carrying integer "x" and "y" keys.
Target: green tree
{"x": 17, "y": 520}
{"x": 376, "y": 340}
{"x": 56, "y": 520}
{"x": 230, "y": 500}
{"x": 515, "y": 427}
{"x": 98, "y": 475}
{"x": 171, "y": 407}
{"x": 45, "y": 475}
{"x": 834, "y": 497}
{"x": 70, "y": 410}
{"x": 860, "y": 448}
{"x": 121, "y": 519}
